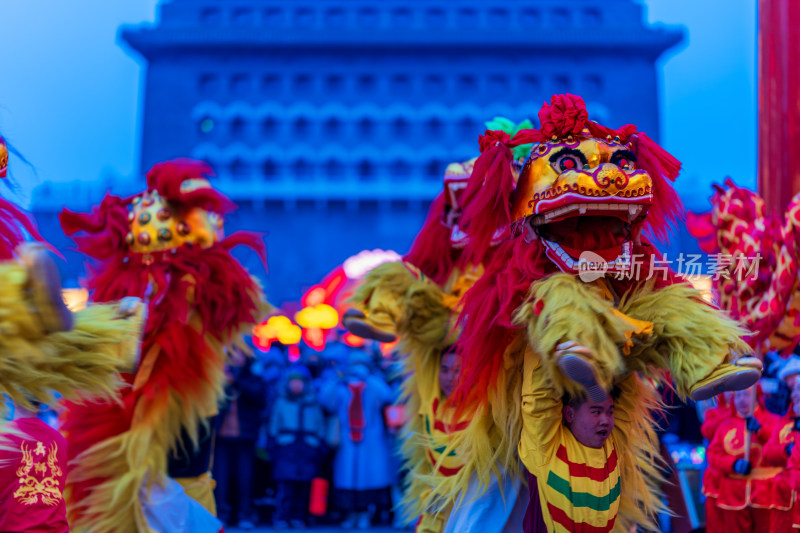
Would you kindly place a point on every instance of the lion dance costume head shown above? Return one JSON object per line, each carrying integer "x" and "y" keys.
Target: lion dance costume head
{"x": 591, "y": 194}
{"x": 166, "y": 245}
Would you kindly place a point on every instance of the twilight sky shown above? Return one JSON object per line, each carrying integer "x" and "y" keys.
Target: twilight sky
{"x": 69, "y": 94}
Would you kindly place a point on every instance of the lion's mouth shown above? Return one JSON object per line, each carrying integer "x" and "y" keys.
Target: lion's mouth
{"x": 588, "y": 227}
{"x": 608, "y": 230}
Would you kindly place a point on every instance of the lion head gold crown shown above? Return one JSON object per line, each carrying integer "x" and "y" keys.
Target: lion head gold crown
{"x": 179, "y": 208}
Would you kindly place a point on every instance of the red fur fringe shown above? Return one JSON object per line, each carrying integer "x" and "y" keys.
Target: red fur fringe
{"x": 168, "y": 177}
{"x": 487, "y": 200}
{"x": 431, "y": 251}
{"x": 15, "y": 227}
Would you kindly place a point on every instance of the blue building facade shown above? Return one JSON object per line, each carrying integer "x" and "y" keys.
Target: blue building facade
{"x": 330, "y": 122}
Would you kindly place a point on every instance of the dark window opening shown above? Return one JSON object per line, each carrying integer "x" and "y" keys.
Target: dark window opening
{"x": 402, "y": 18}
{"x": 243, "y": 16}
{"x": 271, "y": 83}
{"x": 269, "y": 127}
{"x": 333, "y": 127}
{"x": 208, "y": 83}
{"x": 367, "y": 18}
{"x": 498, "y": 18}
{"x": 334, "y": 169}
{"x": 399, "y": 169}
{"x": 210, "y": 16}
{"x": 433, "y": 170}
{"x": 366, "y": 170}
{"x": 435, "y": 18}
{"x": 302, "y": 169}
{"x": 238, "y": 168}
{"x": 240, "y": 84}
{"x": 304, "y": 18}
{"x": 302, "y": 126}
{"x": 335, "y": 18}
{"x": 435, "y": 127}
{"x": 467, "y": 18}
{"x": 273, "y": 17}
{"x": 269, "y": 169}
{"x": 366, "y": 83}
{"x": 238, "y": 126}
{"x": 366, "y": 127}
{"x": 530, "y": 18}
{"x": 400, "y": 126}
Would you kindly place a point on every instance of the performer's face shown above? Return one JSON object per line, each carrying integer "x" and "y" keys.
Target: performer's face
{"x": 296, "y": 386}
{"x": 591, "y": 422}
{"x": 743, "y": 402}
{"x": 448, "y": 373}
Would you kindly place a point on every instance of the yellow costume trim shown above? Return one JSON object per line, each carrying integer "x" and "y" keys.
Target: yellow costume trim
{"x": 397, "y": 298}
{"x": 201, "y": 489}
{"x": 84, "y": 360}
{"x": 690, "y": 338}
{"x": 571, "y": 310}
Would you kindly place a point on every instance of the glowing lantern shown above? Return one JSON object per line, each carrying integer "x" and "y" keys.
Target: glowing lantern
{"x": 321, "y": 316}
{"x": 75, "y": 299}
{"x": 277, "y": 328}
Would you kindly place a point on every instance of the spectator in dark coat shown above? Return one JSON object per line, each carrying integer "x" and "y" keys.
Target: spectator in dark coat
{"x": 237, "y": 431}
{"x": 296, "y": 434}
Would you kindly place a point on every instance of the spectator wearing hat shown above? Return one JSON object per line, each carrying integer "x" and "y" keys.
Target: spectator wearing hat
{"x": 745, "y": 497}
{"x": 296, "y": 431}
{"x": 361, "y": 469}
{"x": 778, "y": 449}
{"x": 237, "y": 430}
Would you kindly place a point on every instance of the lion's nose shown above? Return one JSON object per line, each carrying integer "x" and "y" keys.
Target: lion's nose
{"x": 611, "y": 178}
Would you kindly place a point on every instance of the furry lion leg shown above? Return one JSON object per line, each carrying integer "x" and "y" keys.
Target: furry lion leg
{"x": 691, "y": 339}
{"x": 561, "y": 308}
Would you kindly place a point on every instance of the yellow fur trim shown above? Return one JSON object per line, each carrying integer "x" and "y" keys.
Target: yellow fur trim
{"x": 572, "y": 310}
{"x": 125, "y": 461}
{"x": 84, "y": 360}
{"x": 690, "y": 338}
{"x": 201, "y": 489}
{"x": 488, "y": 445}
{"x": 561, "y": 308}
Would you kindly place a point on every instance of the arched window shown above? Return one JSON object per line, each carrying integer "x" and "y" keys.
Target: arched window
{"x": 434, "y": 170}
{"x": 434, "y": 127}
{"x": 243, "y": 16}
{"x": 208, "y": 83}
{"x": 269, "y": 169}
{"x": 467, "y": 18}
{"x": 366, "y": 170}
{"x": 469, "y": 128}
{"x": 334, "y": 169}
{"x": 333, "y": 127}
{"x": 239, "y": 168}
{"x": 302, "y": 126}
{"x": 210, "y": 16}
{"x": 435, "y": 18}
{"x": 302, "y": 169}
{"x": 402, "y": 18}
{"x": 399, "y": 169}
{"x": 400, "y": 127}
{"x": 269, "y": 127}
{"x": 366, "y": 127}
{"x": 240, "y": 84}
{"x": 238, "y": 126}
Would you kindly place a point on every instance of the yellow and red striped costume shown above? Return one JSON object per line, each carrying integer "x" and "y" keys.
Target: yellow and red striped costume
{"x": 579, "y": 487}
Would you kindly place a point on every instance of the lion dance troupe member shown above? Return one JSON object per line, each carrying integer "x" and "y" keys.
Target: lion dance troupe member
{"x": 165, "y": 244}
{"x": 576, "y": 340}
{"x": 416, "y": 301}
{"x": 45, "y": 348}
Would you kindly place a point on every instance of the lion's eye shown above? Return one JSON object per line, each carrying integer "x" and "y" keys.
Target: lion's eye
{"x": 568, "y": 159}
{"x": 624, "y": 159}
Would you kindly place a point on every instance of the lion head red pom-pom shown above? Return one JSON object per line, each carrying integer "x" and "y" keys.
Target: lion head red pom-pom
{"x": 565, "y": 115}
